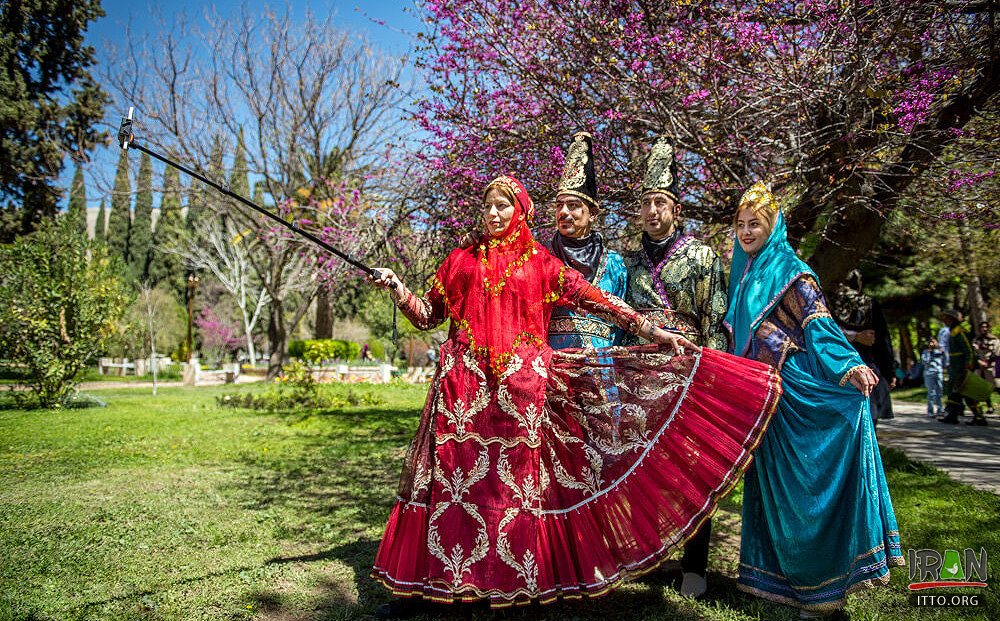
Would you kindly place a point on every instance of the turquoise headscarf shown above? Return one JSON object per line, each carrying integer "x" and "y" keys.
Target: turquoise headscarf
{"x": 756, "y": 284}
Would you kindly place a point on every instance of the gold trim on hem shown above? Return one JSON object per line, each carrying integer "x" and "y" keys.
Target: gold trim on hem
{"x": 861, "y": 585}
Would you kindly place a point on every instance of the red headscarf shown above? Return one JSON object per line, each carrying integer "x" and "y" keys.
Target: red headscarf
{"x": 499, "y": 293}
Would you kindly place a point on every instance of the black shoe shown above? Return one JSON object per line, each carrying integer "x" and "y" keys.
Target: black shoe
{"x": 981, "y": 422}
{"x": 949, "y": 419}
{"x": 401, "y": 608}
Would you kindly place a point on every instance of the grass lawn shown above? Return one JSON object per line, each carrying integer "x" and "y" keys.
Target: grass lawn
{"x": 916, "y": 394}
{"x": 173, "y": 508}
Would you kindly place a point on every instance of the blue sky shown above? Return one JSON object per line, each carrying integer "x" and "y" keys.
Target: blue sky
{"x": 351, "y": 14}
{"x": 390, "y": 26}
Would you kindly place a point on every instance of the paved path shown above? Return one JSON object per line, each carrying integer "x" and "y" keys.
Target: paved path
{"x": 969, "y": 454}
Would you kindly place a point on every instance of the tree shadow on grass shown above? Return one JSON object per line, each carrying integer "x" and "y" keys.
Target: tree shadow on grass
{"x": 638, "y": 601}
{"x": 331, "y": 597}
{"x": 338, "y": 481}
{"x": 338, "y": 486}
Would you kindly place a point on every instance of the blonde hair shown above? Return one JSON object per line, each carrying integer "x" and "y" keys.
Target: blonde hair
{"x": 759, "y": 200}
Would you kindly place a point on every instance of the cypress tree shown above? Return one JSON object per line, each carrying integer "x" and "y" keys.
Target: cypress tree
{"x": 50, "y": 104}
{"x": 239, "y": 180}
{"x": 77, "y": 212}
{"x": 168, "y": 267}
{"x": 142, "y": 226}
{"x": 120, "y": 220}
{"x": 101, "y": 226}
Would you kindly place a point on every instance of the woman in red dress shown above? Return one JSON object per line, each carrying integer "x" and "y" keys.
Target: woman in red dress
{"x": 528, "y": 479}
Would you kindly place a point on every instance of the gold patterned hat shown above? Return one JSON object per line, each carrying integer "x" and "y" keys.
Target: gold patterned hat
{"x": 578, "y": 177}
{"x": 759, "y": 194}
{"x": 661, "y": 170}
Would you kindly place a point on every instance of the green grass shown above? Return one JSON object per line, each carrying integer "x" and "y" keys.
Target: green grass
{"x": 172, "y": 508}
{"x": 170, "y": 374}
{"x": 14, "y": 377}
{"x": 917, "y": 394}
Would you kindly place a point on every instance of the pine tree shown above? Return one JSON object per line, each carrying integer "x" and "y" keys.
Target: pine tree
{"x": 101, "y": 226}
{"x": 120, "y": 220}
{"x": 49, "y": 102}
{"x": 168, "y": 267}
{"x": 142, "y": 226}
{"x": 77, "y": 212}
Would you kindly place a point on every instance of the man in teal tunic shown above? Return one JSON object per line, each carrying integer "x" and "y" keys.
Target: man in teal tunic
{"x": 678, "y": 283}
{"x": 579, "y": 246}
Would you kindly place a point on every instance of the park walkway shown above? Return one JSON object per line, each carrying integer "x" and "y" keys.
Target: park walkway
{"x": 968, "y": 454}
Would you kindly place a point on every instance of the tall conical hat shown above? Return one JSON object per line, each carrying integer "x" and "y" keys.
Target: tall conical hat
{"x": 578, "y": 177}
{"x": 661, "y": 170}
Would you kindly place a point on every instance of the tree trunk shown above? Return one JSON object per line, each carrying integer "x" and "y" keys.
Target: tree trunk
{"x": 324, "y": 315}
{"x": 248, "y": 333}
{"x": 977, "y": 305}
{"x": 277, "y": 336}
{"x": 846, "y": 240}
{"x": 923, "y": 330}
{"x": 854, "y": 231}
{"x": 906, "y": 354}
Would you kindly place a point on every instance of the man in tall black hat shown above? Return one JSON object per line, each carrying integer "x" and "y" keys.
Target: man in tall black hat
{"x": 579, "y": 246}
{"x": 677, "y": 282}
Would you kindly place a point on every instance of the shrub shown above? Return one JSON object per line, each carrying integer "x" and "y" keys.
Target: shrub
{"x": 377, "y": 349}
{"x": 58, "y": 307}
{"x": 321, "y": 350}
{"x": 297, "y": 390}
{"x": 296, "y": 349}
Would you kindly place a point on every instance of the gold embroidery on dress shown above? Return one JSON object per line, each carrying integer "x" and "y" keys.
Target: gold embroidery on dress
{"x": 471, "y": 436}
{"x": 527, "y": 569}
{"x": 461, "y": 415}
{"x": 538, "y": 366}
{"x": 552, "y": 296}
{"x": 590, "y": 474}
{"x": 816, "y": 315}
{"x": 531, "y": 419}
{"x": 583, "y": 326}
{"x": 495, "y": 288}
{"x": 528, "y": 493}
{"x": 456, "y": 562}
{"x": 671, "y": 383}
{"x": 421, "y": 480}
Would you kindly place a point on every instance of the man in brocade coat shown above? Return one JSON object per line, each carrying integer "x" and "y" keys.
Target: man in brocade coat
{"x": 677, "y": 282}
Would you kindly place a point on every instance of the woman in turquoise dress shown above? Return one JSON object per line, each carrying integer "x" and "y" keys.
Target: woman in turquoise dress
{"x": 817, "y": 517}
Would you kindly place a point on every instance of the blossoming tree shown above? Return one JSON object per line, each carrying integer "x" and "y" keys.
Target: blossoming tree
{"x": 841, "y": 104}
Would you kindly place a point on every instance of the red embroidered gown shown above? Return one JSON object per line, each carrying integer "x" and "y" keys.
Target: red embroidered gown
{"x": 537, "y": 474}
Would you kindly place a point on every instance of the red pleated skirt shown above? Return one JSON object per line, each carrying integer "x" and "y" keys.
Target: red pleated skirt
{"x": 568, "y": 472}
